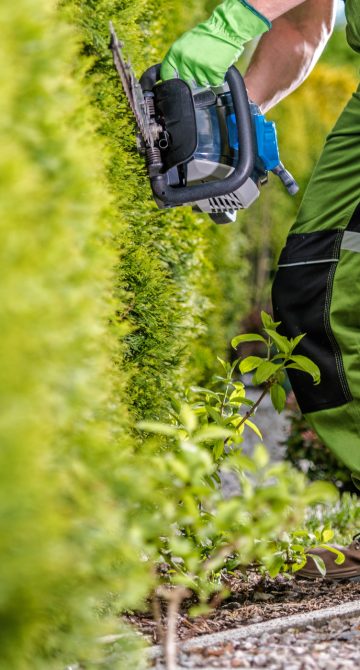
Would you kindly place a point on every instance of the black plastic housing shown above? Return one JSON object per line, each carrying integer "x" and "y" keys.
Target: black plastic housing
{"x": 172, "y": 196}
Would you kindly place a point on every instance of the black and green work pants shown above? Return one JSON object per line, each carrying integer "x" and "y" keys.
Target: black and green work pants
{"x": 317, "y": 290}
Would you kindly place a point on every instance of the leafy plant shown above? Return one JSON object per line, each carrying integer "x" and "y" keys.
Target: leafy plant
{"x": 219, "y": 407}
{"x": 343, "y": 517}
{"x": 200, "y": 533}
{"x": 289, "y": 550}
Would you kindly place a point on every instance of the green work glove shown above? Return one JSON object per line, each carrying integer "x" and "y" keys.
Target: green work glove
{"x": 204, "y": 54}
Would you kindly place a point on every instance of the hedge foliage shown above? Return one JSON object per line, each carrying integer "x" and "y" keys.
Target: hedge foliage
{"x": 75, "y": 203}
{"x": 171, "y": 293}
{"x": 62, "y": 471}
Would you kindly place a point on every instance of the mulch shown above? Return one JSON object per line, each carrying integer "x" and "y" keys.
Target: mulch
{"x": 253, "y": 601}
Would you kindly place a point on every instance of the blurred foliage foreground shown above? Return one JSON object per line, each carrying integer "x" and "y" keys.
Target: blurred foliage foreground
{"x": 108, "y": 308}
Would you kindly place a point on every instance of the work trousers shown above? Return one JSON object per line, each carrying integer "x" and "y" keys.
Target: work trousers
{"x": 317, "y": 290}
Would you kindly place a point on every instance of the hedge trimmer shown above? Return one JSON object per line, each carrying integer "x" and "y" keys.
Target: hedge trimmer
{"x": 209, "y": 147}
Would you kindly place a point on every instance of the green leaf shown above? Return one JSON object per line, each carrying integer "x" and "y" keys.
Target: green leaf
{"x": 241, "y": 400}
{"x": 188, "y": 418}
{"x": 340, "y": 559}
{"x": 157, "y": 427}
{"x": 268, "y": 321}
{"x": 239, "y": 461}
{"x": 340, "y": 556}
{"x": 318, "y": 492}
{"x": 235, "y": 363}
{"x": 238, "y": 387}
{"x": 294, "y": 341}
{"x": 254, "y": 427}
{"x": 297, "y": 566}
{"x": 213, "y": 413}
{"x": 297, "y": 547}
{"x": 211, "y": 433}
{"x": 278, "y": 397}
{"x": 218, "y": 450}
{"x": 261, "y": 456}
{"x": 265, "y": 371}
{"x": 199, "y": 610}
{"x": 224, "y": 364}
{"x": 205, "y": 391}
{"x": 250, "y": 363}
{"x": 319, "y": 563}
{"x": 176, "y": 405}
{"x": 327, "y": 535}
{"x": 281, "y": 377}
{"x": 275, "y": 566}
{"x": 281, "y": 342}
{"x": 306, "y": 365}
{"x": 248, "y": 337}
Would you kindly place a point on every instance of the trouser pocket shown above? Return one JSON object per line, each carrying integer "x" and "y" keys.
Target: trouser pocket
{"x": 302, "y": 293}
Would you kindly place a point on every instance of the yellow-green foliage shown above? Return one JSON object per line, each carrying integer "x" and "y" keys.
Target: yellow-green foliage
{"x": 70, "y": 502}
{"x": 166, "y": 260}
{"x": 66, "y": 461}
{"x": 64, "y": 539}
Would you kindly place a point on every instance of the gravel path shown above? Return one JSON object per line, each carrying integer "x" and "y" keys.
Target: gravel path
{"x": 257, "y": 602}
{"x": 327, "y": 645}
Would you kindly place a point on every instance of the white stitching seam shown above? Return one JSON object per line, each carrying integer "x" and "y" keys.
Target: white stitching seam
{"x": 291, "y": 265}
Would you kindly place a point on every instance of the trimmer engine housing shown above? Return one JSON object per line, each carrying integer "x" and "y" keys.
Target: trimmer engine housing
{"x": 210, "y": 148}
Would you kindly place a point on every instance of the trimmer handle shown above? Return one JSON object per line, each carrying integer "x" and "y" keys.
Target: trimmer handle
{"x": 171, "y": 195}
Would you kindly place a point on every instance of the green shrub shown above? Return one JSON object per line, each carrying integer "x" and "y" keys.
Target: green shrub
{"x": 175, "y": 289}
{"x": 198, "y": 529}
{"x": 65, "y": 542}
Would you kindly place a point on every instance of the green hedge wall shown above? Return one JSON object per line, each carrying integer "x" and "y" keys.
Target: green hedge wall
{"x": 175, "y": 302}
{"x": 65, "y": 541}
{"x": 87, "y": 349}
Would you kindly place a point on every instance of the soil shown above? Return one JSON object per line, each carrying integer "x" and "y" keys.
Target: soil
{"x": 254, "y": 601}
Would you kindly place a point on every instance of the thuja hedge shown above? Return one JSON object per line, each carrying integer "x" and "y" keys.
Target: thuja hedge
{"x": 64, "y": 538}
{"x": 172, "y": 297}
{"x": 74, "y": 204}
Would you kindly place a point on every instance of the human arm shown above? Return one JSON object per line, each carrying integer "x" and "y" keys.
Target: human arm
{"x": 286, "y": 55}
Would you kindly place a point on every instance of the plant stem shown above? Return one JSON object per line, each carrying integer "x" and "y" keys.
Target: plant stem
{"x": 253, "y": 409}
{"x": 174, "y": 599}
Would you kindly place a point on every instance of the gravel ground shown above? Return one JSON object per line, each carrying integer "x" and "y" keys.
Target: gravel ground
{"x": 334, "y": 645}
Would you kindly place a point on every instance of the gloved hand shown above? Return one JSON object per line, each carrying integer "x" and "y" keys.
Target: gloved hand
{"x": 204, "y": 54}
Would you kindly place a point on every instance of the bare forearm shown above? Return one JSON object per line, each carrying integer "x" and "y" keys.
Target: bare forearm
{"x": 287, "y": 53}
{"x": 272, "y": 9}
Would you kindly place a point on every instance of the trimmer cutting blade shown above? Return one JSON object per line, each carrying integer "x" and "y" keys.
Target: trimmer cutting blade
{"x": 132, "y": 88}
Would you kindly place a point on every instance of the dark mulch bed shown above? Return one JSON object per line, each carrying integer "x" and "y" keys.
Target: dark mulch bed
{"x": 254, "y": 601}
